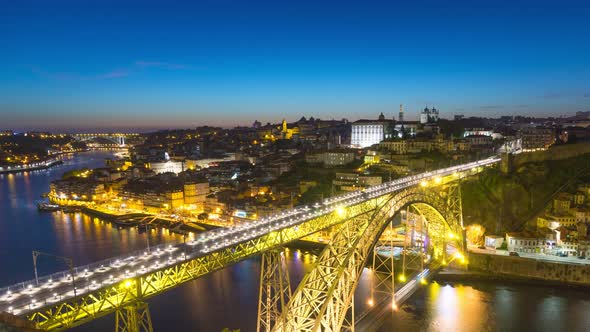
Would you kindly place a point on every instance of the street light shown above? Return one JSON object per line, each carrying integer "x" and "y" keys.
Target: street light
{"x": 68, "y": 261}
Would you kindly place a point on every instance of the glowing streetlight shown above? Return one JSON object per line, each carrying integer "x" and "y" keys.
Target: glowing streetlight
{"x": 393, "y": 305}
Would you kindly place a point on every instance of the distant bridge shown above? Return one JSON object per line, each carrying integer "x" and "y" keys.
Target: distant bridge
{"x": 323, "y": 300}
{"x": 116, "y": 138}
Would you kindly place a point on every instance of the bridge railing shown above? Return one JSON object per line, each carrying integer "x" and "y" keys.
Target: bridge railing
{"x": 80, "y": 273}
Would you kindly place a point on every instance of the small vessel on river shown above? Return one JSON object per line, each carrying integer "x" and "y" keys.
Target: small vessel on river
{"x": 47, "y": 207}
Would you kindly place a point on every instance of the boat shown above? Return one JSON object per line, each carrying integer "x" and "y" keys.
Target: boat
{"x": 42, "y": 206}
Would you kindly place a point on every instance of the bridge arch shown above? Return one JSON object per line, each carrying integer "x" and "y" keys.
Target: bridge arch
{"x": 325, "y": 294}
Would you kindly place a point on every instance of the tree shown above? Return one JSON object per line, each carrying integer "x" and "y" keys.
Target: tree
{"x": 475, "y": 234}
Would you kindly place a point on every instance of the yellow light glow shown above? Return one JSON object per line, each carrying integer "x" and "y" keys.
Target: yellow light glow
{"x": 451, "y": 236}
{"x": 341, "y": 211}
{"x": 402, "y": 278}
{"x": 393, "y": 305}
{"x": 370, "y": 302}
{"x": 423, "y": 183}
{"x": 128, "y": 283}
{"x": 423, "y": 281}
{"x": 459, "y": 255}
{"x": 437, "y": 180}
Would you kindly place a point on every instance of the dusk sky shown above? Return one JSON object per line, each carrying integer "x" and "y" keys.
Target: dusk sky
{"x": 169, "y": 64}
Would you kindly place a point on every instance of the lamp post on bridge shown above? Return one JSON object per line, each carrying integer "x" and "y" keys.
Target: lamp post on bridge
{"x": 67, "y": 260}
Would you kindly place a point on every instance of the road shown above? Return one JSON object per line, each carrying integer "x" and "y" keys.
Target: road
{"x": 540, "y": 257}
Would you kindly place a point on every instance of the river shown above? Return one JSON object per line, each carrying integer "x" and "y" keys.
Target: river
{"x": 229, "y": 298}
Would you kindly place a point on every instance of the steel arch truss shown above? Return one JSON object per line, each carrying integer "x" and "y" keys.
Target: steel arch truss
{"x": 134, "y": 318}
{"x": 324, "y": 296}
{"x": 275, "y": 289}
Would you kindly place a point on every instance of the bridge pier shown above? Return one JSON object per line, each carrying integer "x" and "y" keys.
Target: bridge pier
{"x": 275, "y": 289}
{"x": 134, "y": 318}
{"x": 383, "y": 275}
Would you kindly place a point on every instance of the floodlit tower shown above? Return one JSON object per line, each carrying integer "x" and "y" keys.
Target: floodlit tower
{"x": 401, "y": 113}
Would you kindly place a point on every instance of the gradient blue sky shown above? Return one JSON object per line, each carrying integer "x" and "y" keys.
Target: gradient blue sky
{"x": 145, "y": 64}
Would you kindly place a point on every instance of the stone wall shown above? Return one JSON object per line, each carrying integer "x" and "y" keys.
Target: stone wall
{"x": 527, "y": 268}
{"x": 556, "y": 152}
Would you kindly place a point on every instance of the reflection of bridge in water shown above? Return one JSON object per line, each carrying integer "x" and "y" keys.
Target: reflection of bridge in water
{"x": 324, "y": 298}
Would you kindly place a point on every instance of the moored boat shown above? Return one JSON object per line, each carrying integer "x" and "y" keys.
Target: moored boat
{"x": 43, "y": 206}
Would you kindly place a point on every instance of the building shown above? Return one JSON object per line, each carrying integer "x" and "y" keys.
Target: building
{"x": 429, "y": 115}
{"x": 166, "y": 166}
{"x": 407, "y": 146}
{"x": 331, "y": 158}
{"x": 479, "y": 142}
{"x": 562, "y": 203}
{"x": 369, "y": 132}
{"x": 494, "y": 241}
{"x": 478, "y": 132}
{"x": 195, "y": 196}
{"x": 542, "y": 241}
{"x": 354, "y": 181}
{"x": 68, "y": 190}
{"x": 534, "y": 139}
{"x": 556, "y": 220}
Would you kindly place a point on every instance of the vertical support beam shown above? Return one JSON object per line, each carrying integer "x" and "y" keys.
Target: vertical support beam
{"x": 412, "y": 252}
{"x": 456, "y": 213}
{"x": 275, "y": 289}
{"x": 383, "y": 275}
{"x": 134, "y": 318}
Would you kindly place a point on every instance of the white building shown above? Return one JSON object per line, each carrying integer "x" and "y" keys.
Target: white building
{"x": 429, "y": 115}
{"x": 166, "y": 166}
{"x": 529, "y": 242}
{"x": 478, "y": 132}
{"x": 366, "y": 133}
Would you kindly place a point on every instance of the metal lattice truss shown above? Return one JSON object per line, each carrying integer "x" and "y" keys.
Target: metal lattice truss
{"x": 275, "y": 289}
{"x": 134, "y": 318}
{"x": 323, "y": 298}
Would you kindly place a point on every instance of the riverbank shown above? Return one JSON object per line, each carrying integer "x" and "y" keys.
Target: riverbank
{"x": 519, "y": 270}
{"x": 20, "y": 169}
{"x": 139, "y": 219}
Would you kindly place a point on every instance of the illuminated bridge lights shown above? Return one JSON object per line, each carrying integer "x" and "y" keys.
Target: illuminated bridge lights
{"x": 213, "y": 250}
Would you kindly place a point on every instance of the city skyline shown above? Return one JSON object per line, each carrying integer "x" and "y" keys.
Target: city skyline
{"x": 151, "y": 65}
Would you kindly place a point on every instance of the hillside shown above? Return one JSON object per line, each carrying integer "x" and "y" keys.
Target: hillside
{"x": 503, "y": 203}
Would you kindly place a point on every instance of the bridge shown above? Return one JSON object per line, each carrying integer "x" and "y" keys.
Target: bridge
{"x": 114, "y": 138}
{"x": 322, "y": 301}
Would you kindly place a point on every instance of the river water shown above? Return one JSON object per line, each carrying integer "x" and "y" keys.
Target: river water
{"x": 229, "y": 298}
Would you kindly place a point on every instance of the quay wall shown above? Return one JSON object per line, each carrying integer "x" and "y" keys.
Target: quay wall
{"x": 527, "y": 268}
